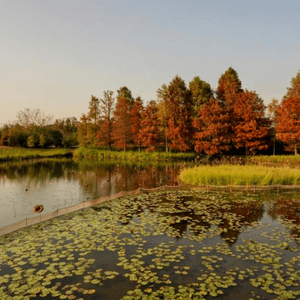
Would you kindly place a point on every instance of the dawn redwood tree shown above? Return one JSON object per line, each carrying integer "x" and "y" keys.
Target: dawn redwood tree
{"x": 82, "y": 130}
{"x": 122, "y": 135}
{"x": 178, "y": 103}
{"x": 136, "y": 118}
{"x": 163, "y": 113}
{"x": 252, "y": 127}
{"x": 104, "y": 134}
{"x": 272, "y": 115}
{"x": 288, "y": 117}
{"x": 94, "y": 110}
{"x": 149, "y": 133}
{"x": 215, "y": 122}
{"x": 212, "y": 129}
{"x": 201, "y": 93}
{"x": 229, "y": 86}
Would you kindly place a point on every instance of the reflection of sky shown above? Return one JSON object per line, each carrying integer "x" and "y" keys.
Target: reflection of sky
{"x": 17, "y": 204}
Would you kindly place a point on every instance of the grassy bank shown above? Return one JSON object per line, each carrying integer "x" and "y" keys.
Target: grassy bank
{"x": 240, "y": 175}
{"x": 86, "y": 153}
{"x": 275, "y": 160}
{"x": 11, "y": 154}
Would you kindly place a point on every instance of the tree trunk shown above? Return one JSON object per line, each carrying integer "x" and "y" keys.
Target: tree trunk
{"x": 296, "y": 149}
{"x": 167, "y": 144}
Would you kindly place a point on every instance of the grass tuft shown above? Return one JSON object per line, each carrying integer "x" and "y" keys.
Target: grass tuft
{"x": 240, "y": 175}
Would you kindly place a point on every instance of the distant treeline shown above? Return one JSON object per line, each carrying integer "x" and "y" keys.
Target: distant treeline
{"x": 226, "y": 121}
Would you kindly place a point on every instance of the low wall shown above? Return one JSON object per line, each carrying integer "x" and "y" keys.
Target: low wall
{"x": 62, "y": 211}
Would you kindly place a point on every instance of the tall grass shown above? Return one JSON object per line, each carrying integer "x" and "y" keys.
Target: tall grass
{"x": 275, "y": 160}
{"x": 10, "y": 154}
{"x": 88, "y": 153}
{"x": 240, "y": 175}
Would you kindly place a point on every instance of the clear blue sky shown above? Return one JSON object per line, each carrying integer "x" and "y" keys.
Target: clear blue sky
{"x": 56, "y": 54}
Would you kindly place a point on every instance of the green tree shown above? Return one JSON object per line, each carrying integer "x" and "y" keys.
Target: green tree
{"x": 31, "y": 141}
{"x": 201, "y": 93}
{"x": 42, "y": 140}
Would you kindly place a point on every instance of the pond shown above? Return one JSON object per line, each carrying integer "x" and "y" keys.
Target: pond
{"x": 59, "y": 183}
{"x": 184, "y": 244}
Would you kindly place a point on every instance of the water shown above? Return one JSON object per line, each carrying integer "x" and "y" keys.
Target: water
{"x": 62, "y": 183}
{"x": 165, "y": 245}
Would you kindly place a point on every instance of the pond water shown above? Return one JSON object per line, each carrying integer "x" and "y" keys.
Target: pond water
{"x": 164, "y": 245}
{"x": 62, "y": 183}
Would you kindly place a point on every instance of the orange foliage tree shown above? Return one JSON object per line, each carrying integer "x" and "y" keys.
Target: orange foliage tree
{"x": 251, "y": 127}
{"x": 288, "y": 117}
{"x": 136, "y": 117}
{"x": 236, "y": 119}
{"x": 122, "y": 135}
{"x": 213, "y": 128}
{"x": 178, "y": 103}
{"x": 149, "y": 133}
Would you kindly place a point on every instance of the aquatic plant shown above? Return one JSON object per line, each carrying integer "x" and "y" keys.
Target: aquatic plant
{"x": 240, "y": 175}
{"x": 164, "y": 245}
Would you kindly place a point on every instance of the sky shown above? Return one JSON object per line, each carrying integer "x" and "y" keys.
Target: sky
{"x": 55, "y": 54}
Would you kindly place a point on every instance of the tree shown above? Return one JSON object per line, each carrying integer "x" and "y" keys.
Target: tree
{"x": 136, "y": 117}
{"x": 215, "y": 126}
{"x": 149, "y": 133}
{"x": 34, "y": 117}
{"x": 212, "y": 128}
{"x": 288, "y": 118}
{"x": 42, "y": 140}
{"x": 122, "y": 125}
{"x": 272, "y": 115}
{"x": 163, "y": 113}
{"x": 229, "y": 86}
{"x": 201, "y": 93}
{"x": 104, "y": 134}
{"x": 82, "y": 130}
{"x": 251, "y": 125}
{"x": 94, "y": 110}
{"x": 178, "y": 104}
{"x": 32, "y": 141}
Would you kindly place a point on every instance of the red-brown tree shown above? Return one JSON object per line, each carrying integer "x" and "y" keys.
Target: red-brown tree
{"x": 122, "y": 135}
{"x": 149, "y": 133}
{"x": 104, "y": 134}
{"x": 251, "y": 127}
{"x": 288, "y": 117}
{"x": 212, "y": 128}
{"x": 178, "y": 103}
{"x": 136, "y": 118}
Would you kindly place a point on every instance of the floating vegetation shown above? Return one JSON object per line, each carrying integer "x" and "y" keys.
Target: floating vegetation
{"x": 240, "y": 175}
{"x": 165, "y": 245}
{"x": 89, "y": 153}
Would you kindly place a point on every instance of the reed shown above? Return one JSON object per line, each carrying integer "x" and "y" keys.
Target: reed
{"x": 11, "y": 154}
{"x": 240, "y": 175}
{"x": 275, "y": 160}
{"x": 89, "y": 153}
